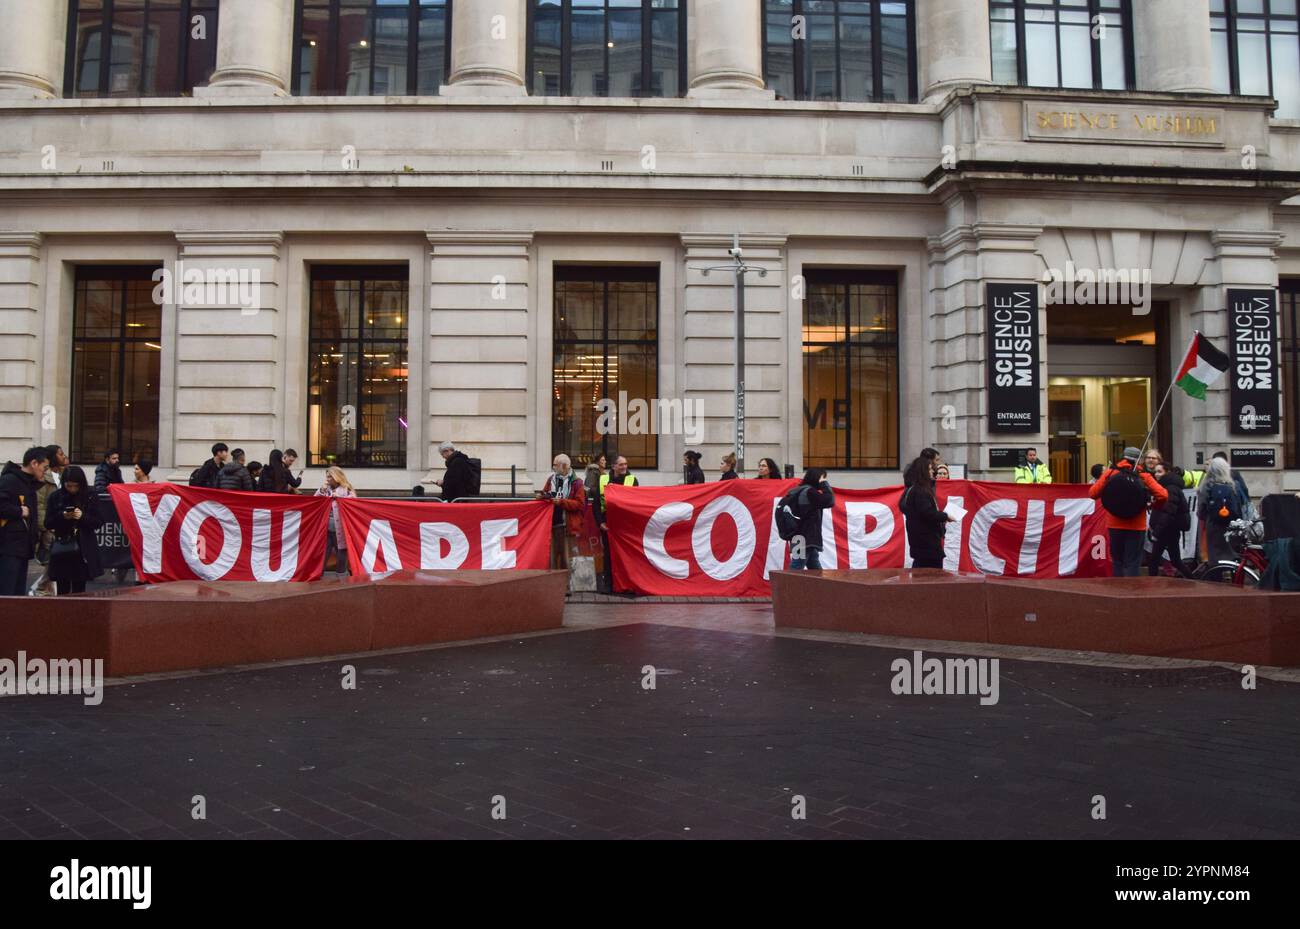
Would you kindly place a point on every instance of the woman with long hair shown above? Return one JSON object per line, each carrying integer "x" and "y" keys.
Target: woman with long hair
{"x": 807, "y": 501}
{"x": 1217, "y": 504}
{"x": 275, "y": 476}
{"x": 73, "y": 515}
{"x": 691, "y": 469}
{"x": 768, "y": 470}
{"x": 926, "y": 523}
{"x": 336, "y": 485}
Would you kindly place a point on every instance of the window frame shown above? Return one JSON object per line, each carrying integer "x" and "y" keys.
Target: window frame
{"x": 413, "y": 10}
{"x": 799, "y": 60}
{"x": 1231, "y": 15}
{"x": 121, "y": 274}
{"x": 847, "y": 277}
{"x": 607, "y": 274}
{"x": 647, "y": 54}
{"x": 1094, "y": 10}
{"x": 364, "y": 274}
{"x": 187, "y": 11}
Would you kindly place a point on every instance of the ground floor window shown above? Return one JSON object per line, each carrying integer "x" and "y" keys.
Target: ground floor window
{"x": 606, "y": 348}
{"x": 116, "y": 358}
{"x": 1290, "y": 305}
{"x": 850, "y": 370}
{"x": 356, "y": 392}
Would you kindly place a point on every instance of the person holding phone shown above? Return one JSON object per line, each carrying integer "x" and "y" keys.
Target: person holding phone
{"x": 926, "y": 523}
{"x": 72, "y": 513}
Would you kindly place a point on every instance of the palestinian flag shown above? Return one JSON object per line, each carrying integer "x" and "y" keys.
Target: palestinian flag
{"x": 1203, "y": 366}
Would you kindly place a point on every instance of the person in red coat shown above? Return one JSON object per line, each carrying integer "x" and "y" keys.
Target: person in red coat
{"x": 568, "y": 495}
{"x": 1127, "y": 529}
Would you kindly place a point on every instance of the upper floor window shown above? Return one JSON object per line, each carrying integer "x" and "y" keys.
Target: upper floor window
{"x": 607, "y": 48}
{"x": 139, "y": 48}
{"x": 1086, "y": 44}
{"x": 840, "y": 50}
{"x": 359, "y": 48}
{"x": 1256, "y": 45}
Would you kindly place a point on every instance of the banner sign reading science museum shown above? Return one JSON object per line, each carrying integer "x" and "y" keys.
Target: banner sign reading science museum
{"x": 720, "y": 539}
{"x": 1012, "y": 357}
{"x": 389, "y": 535}
{"x": 186, "y": 533}
{"x": 1253, "y": 385}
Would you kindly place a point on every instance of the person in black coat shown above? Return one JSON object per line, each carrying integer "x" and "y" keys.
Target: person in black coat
{"x": 1166, "y": 523}
{"x": 233, "y": 474}
{"x": 73, "y": 514}
{"x": 729, "y": 468}
{"x": 19, "y": 529}
{"x": 458, "y": 480}
{"x": 815, "y": 495}
{"x": 275, "y": 476}
{"x": 108, "y": 471}
{"x": 691, "y": 469}
{"x": 926, "y": 523}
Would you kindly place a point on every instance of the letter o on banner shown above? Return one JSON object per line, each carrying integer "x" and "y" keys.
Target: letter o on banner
{"x": 702, "y": 539}
{"x": 652, "y": 540}
{"x": 232, "y": 539}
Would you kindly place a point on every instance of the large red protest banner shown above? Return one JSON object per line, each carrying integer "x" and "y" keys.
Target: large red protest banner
{"x": 387, "y": 535}
{"x": 720, "y": 539}
{"x": 188, "y": 533}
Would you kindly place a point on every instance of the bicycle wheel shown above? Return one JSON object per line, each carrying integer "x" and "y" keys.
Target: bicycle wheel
{"x": 1221, "y": 572}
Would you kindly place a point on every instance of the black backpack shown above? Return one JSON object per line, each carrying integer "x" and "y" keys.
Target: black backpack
{"x": 1224, "y": 495}
{"x": 1124, "y": 495}
{"x": 475, "y": 476}
{"x": 790, "y": 511}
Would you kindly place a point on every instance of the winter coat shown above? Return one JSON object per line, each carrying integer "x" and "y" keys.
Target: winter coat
{"x": 926, "y": 523}
{"x": 275, "y": 479}
{"x": 88, "y": 567}
{"x": 18, "y": 534}
{"x": 207, "y": 474}
{"x": 234, "y": 476}
{"x": 1168, "y": 519}
{"x": 336, "y": 522}
{"x": 729, "y": 476}
{"x": 43, "y": 493}
{"x": 574, "y": 504}
{"x": 694, "y": 474}
{"x": 592, "y": 481}
{"x": 106, "y": 474}
{"x": 1139, "y": 522}
{"x": 817, "y": 499}
{"x": 1038, "y": 473}
{"x": 458, "y": 481}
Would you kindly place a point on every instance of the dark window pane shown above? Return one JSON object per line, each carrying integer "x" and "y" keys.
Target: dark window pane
{"x": 779, "y": 62}
{"x": 665, "y": 62}
{"x": 855, "y": 59}
{"x": 625, "y": 53}
{"x": 546, "y": 51}
{"x": 353, "y": 52}
{"x": 587, "y": 76}
{"x": 391, "y": 45}
{"x": 161, "y": 74}
{"x": 314, "y": 60}
{"x": 432, "y": 53}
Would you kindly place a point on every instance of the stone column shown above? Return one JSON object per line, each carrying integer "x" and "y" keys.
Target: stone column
{"x": 22, "y": 420}
{"x": 726, "y": 49}
{"x": 1172, "y": 45}
{"x": 33, "y": 34}
{"x": 708, "y": 365}
{"x": 962, "y": 261}
{"x": 954, "y": 40}
{"x": 230, "y": 386}
{"x": 478, "y": 372}
{"x": 488, "y": 50}
{"x": 254, "y": 54}
{"x": 1245, "y": 259}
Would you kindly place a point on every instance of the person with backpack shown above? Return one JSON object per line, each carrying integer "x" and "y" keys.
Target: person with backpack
{"x": 926, "y": 523}
{"x": 208, "y": 474}
{"x": 799, "y": 519}
{"x": 1218, "y": 502}
{"x": 73, "y": 515}
{"x": 461, "y": 479}
{"x": 1124, "y": 490}
{"x": 1169, "y": 522}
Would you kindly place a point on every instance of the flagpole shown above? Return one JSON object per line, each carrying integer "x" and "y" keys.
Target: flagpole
{"x": 1169, "y": 390}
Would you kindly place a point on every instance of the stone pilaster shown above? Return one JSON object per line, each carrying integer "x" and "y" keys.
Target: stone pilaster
{"x": 254, "y": 53}
{"x": 479, "y": 375}
{"x": 21, "y": 421}
{"x": 488, "y": 49}
{"x": 954, "y": 40}
{"x": 1173, "y": 45}
{"x": 33, "y": 34}
{"x": 230, "y": 382}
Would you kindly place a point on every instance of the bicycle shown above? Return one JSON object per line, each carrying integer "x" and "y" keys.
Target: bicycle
{"x": 1243, "y": 538}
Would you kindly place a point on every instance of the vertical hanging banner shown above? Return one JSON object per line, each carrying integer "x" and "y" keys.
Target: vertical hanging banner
{"x": 1012, "y": 357}
{"x": 392, "y": 535}
{"x": 720, "y": 540}
{"x": 1254, "y": 388}
{"x": 188, "y": 533}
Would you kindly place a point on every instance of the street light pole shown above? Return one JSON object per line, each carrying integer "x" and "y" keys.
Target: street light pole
{"x": 740, "y": 269}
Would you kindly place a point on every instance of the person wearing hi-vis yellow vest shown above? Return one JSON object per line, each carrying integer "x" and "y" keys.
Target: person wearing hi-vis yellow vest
{"x": 1033, "y": 471}
{"x": 620, "y": 475}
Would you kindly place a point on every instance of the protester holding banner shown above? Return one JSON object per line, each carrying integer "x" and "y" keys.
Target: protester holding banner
{"x": 619, "y": 474}
{"x": 768, "y": 470}
{"x": 336, "y": 486}
{"x": 815, "y": 495}
{"x": 925, "y": 521}
{"x": 73, "y": 514}
{"x": 568, "y": 498}
{"x": 729, "y": 467}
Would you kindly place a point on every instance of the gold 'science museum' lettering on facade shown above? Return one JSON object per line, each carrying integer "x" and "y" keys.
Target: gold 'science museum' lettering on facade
{"x": 1127, "y": 124}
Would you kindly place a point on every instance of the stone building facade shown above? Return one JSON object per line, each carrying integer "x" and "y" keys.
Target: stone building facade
{"x": 477, "y": 218}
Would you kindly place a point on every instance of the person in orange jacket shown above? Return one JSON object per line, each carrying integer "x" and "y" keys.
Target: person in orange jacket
{"x": 1125, "y": 503}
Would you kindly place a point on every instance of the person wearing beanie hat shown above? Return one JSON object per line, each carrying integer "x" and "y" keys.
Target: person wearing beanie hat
{"x": 1125, "y": 503}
